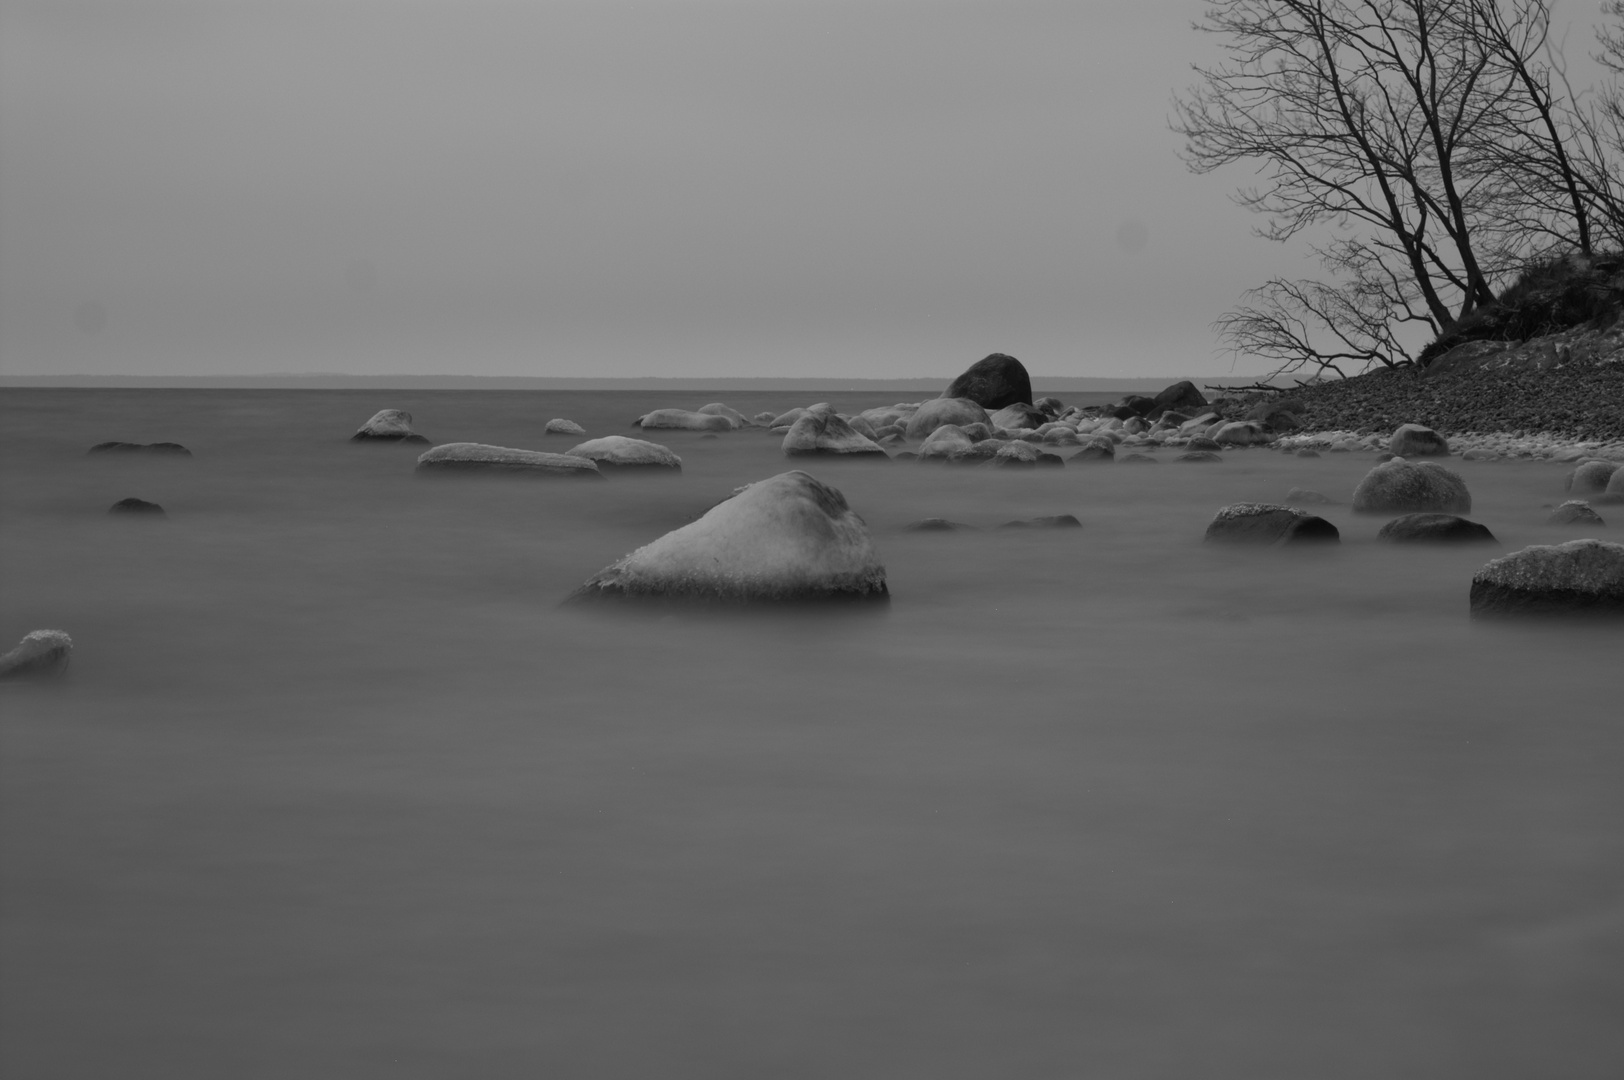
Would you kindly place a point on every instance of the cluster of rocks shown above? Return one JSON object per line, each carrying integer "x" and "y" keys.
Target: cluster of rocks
{"x": 1524, "y": 408}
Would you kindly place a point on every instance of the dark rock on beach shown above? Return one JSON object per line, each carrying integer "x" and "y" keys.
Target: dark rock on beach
{"x": 136, "y": 508}
{"x": 388, "y": 425}
{"x": 786, "y": 538}
{"x": 40, "y": 654}
{"x": 1265, "y": 523}
{"x": 1434, "y": 529}
{"x": 465, "y": 457}
{"x": 1581, "y": 578}
{"x": 1400, "y": 486}
{"x": 993, "y": 382}
{"x": 175, "y": 449}
{"x": 1180, "y": 397}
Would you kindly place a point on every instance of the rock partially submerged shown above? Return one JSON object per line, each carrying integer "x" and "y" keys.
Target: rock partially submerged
{"x": 1269, "y": 523}
{"x": 614, "y": 452}
{"x": 935, "y": 524}
{"x": 993, "y": 382}
{"x": 560, "y": 426}
{"x": 136, "y": 508}
{"x": 820, "y": 431}
{"x": 960, "y": 412}
{"x": 683, "y": 420}
{"x": 1574, "y": 512}
{"x": 1434, "y": 529}
{"x": 501, "y": 460}
{"x": 1399, "y": 486}
{"x": 1051, "y": 521}
{"x": 140, "y": 448}
{"x": 1592, "y": 477}
{"x": 716, "y": 408}
{"x": 1579, "y": 578}
{"x": 40, "y": 654}
{"x": 786, "y": 538}
{"x": 388, "y": 425}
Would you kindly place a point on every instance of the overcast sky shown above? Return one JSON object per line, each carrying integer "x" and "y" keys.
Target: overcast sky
{"x": 615, "y": 187}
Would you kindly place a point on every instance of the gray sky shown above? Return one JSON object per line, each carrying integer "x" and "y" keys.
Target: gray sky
{"x": 616, "y": 187}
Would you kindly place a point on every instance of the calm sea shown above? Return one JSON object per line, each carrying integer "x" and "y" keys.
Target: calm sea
{"x": 335, "y": 788}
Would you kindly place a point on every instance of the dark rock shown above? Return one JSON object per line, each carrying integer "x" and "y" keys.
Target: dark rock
{"x": 388, "y": 425}
{"x": 141, "y": 448}
{"x": 1400, "y": 486}
{"x": 1434, "y": 529}
{"x": 1579, "y": 578}
{"x": 1053, "y": 521}
{"x": 138, "y": 507}
{"x": 1201, "y": 442}
{"x": 992, "y": 383}
{"x": 1200, "y": 455}
{"x": 1263, "y": 523}
{"x": 1574, "y": 512}
{"x": 1051, "y": 407}
{"x": 931, "y": 415}
{"x": 786, "y": 538}
{"x": 40, "y": 654}
{"x": 480, "y": 458}
{"x": 1413, "y": 440}
{"x": 1138, "y": 459}
{"x": 935, "y": 525}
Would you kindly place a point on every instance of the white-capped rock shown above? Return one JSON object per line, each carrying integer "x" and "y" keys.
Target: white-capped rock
{"x": 786, "y": 538}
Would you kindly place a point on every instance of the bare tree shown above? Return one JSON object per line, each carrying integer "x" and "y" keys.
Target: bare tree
{"x": 1427, "y": 139}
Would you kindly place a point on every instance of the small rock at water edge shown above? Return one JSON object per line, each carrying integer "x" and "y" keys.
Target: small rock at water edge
{"x": 1413, "y": 440}
{"x": 40, "y": 654}
{"x": 1574, "y": 512}
{"x": 1265, "y": 523}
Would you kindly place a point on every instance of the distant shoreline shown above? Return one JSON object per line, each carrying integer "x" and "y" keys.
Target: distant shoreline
{"x": 931, "y": 386}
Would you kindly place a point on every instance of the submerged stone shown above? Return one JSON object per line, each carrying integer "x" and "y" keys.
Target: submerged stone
{"x": 1400, "y": 486}
{"x": 1581, "y": 578}
{"x": 40, "y": 654}
{"x": 1434, "y": 529}
{"x": 614, "y": 452}
{"x": 480, "y": 458}
{"x": 388, "y": 425}
{"x": 1267, "y": 523}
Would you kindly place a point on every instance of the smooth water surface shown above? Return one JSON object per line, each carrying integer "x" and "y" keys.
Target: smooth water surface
{"x": 335, "y": 787}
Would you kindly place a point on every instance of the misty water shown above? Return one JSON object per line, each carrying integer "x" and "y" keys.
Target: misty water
{"x": 335, "y": 787}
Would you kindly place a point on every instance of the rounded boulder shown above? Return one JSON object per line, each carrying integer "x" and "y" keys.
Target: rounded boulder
{"x": 1414, "y": 440}
{"x": 40, "y": 654}
{"x": 1412, "y": 487}
{"x": 1269, "y": 523}
{"x": 1434, "y": 529}
{"x": 388, "y": 425}
{"x": 683, "y": 420}
{"x": 945, "y": 410}
{"x": 821, "y": 431}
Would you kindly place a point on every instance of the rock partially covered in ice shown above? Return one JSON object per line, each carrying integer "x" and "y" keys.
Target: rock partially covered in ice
{"x": 931, "y": 415}
{"x": 560, "y": 426}
{"x": 136, "y": 508}
{"x": 388, "y": 425}
{"x": 613, "y": 452}
{"x": 785, "y": 538}
{"x": 40, "y": 654}
{"x": 820, "y": 431}
{"x": 1399, "y": 487}
{"x": 1434, "y": 529}
{"x": 140, "y": 448}
{"x": 993, "y": 382}
{"x": 1267, "y": 523}
{"x": 1414, "y": 440}
{"x": 1574, "y": 512}
{"x": 479, "y": 458}
{"x": 1578, "y": 578}
{"x": 683, "y": 420}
